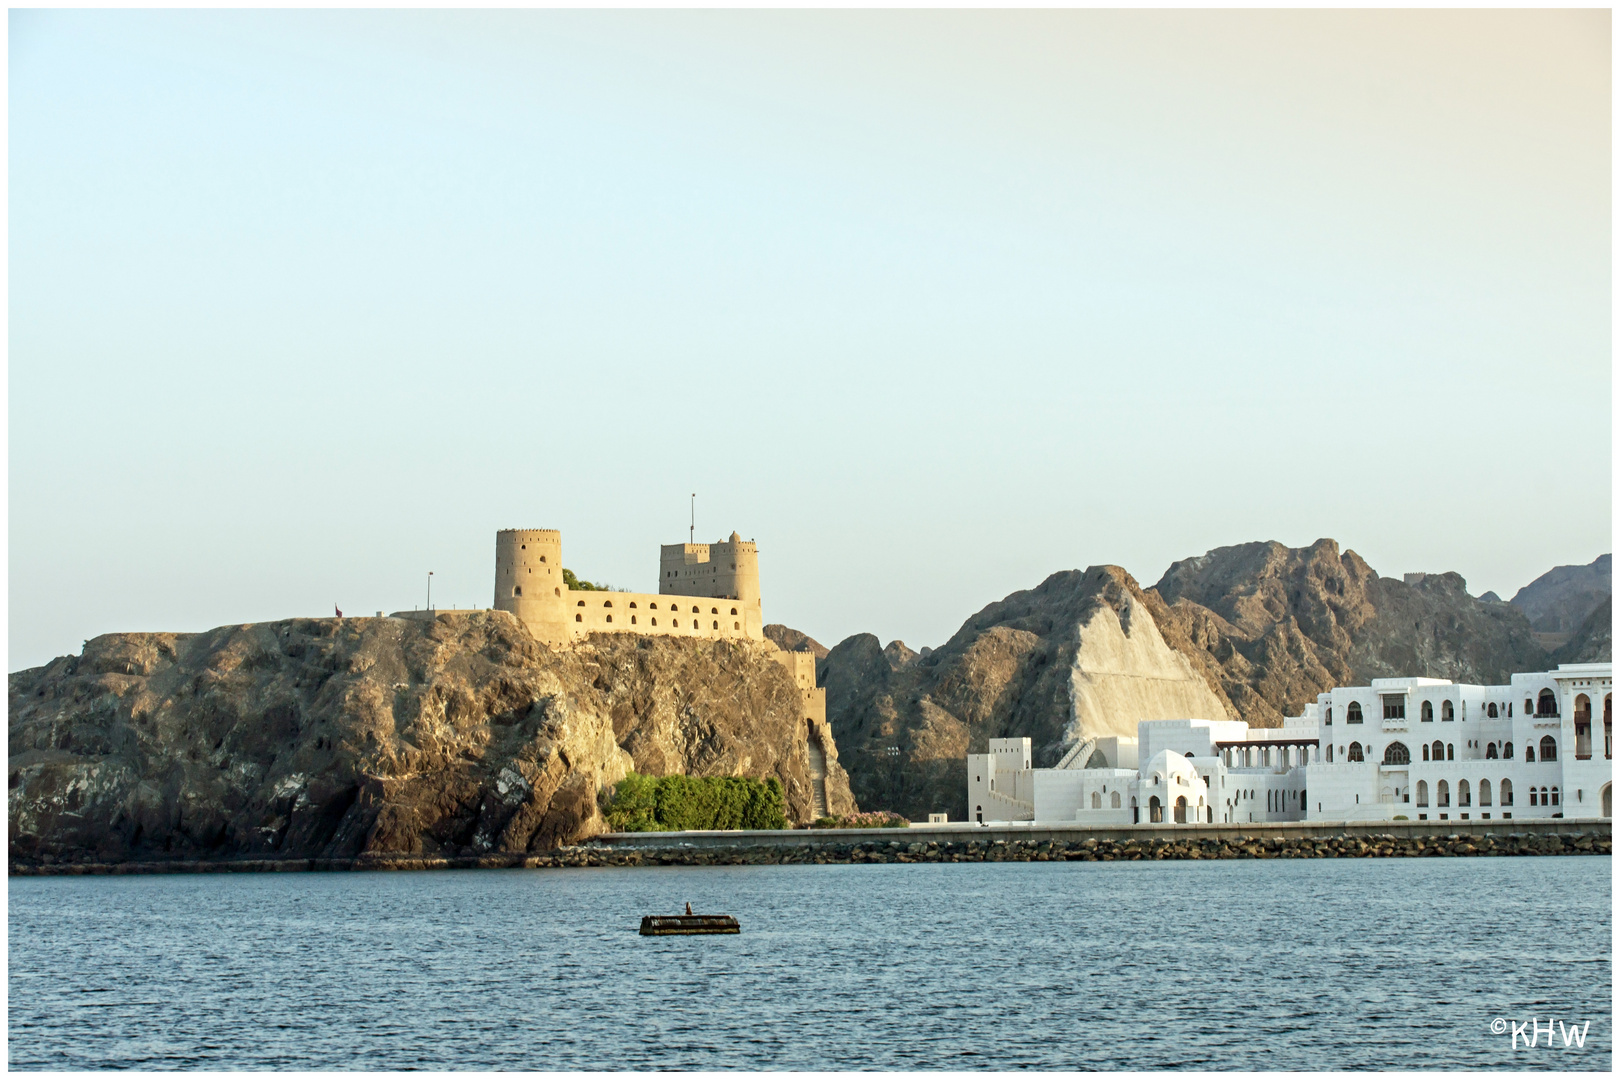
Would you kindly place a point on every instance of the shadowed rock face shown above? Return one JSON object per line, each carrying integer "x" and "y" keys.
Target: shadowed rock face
{"x": 337, "y": 738}
{"x": 1560, "y": 600}
{"x": 1593, "y": 642}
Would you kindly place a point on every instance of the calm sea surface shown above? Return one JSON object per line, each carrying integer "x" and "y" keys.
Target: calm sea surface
{"x": 1389, "y": 964}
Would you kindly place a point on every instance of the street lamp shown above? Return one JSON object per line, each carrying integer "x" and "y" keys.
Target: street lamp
{"x": 430, "y": 591}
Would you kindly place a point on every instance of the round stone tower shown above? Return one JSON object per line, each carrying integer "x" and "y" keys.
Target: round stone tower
{"x": 529, "y": 581}
{"x": 738, "y": 567}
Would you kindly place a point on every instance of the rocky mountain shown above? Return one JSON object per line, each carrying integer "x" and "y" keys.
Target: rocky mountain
{"x": 1593, "y": 641}
{"x": 1082, "y": 653}
{"x": 1289, "y": 623}
{"x": 1559, "y": 601}
{"x": 1251, "y": 632}
{"x": 794, "y": 640}
{"x": 341, "y": 738}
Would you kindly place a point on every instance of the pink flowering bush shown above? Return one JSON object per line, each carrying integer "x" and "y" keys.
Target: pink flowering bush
{"x": 872, "y": 819}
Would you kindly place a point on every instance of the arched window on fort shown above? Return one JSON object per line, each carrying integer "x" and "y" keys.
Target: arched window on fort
{"x": 610, "y": 618}
{"x": 607, "y": 603}
{"x": 1155, "y": 810}
{"x": 1507, "y": 751}
{"x": 1355, "y": 751}
{"x": 1425, "y": 751}
{"x": 694, "y": 611}
{"x": 1507, "y": 792}
{"x": 1442, "y": 794}
{"x": 1490, "y": 710}
{"x": 1451, "y": 752}
{"x": 1446, "y": 712}
{"x": 1397, "y": 754}
{"x": 734, "y": 611}
{"x": 1583, "y": 727}
{"x": 1490, "y": 751}
{"x": 1549, "y": 748}
{"x": 517, "y": 590}
{"x": 714, "y": 611}
{"x": 632, "y": 603}
{"x": 1544, "y": 797}
{"x": 1439, "y": 749}
{"x": 694, "y": 624}
{"x": 632, "y": 620}
{"x": 1547, "y": 704}
{"x": 653, "y": 606}
{"x": 1529, "y": 752}
{"x": 1484, "y": 793}
{"x": 736, "y": 626}
{"x": 1096, "y": 801}
{"x": 1426, "y": 714}
{"x": 1352, "y": 715}
{"x": 556, "y": 592}
{"x": 1423, "y": 793}
{"x": 579, "y": 618}
{"x": 717, "y": 624}
{"x": 580, "y": 604}
{"x": 1113, "y": 800}
{"x": 1463, "y": 796}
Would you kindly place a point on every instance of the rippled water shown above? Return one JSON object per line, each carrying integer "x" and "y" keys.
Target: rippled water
{"x": 1398, "y": 963}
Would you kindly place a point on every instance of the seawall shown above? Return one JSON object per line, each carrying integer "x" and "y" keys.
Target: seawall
{"x": 1315, "y": 840}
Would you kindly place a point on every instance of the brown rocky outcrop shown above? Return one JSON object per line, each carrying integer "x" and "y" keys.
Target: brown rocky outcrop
{"x": 338, "y": 738}
{"x": 1280, "y": 625}
{"x": 1251, "y": 632}
{"x": 794, "y": 640}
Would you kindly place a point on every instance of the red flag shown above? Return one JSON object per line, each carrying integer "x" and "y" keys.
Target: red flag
{"x": 338, "y": 610}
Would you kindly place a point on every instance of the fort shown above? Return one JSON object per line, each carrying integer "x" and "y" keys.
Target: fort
{"x": 704, "y": 591}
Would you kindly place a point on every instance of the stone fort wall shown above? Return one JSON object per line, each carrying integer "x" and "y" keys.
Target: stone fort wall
{"x": 704, "y": 591}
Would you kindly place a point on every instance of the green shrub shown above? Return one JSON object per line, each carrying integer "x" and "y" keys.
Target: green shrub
{"x": 572, "y": 582}
{"x": 678, "y": 803}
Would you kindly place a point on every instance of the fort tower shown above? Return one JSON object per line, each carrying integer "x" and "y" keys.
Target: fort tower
{"x": 529, "y": 581}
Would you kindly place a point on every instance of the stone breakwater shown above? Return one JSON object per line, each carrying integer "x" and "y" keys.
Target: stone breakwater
{"x": 1093, "y": 850}
{"x": 907, "y": 850}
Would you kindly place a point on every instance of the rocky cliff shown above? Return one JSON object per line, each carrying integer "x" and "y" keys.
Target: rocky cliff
{"x": 345, "y": 738}
{"x": 1250, "y": 632}
{"x": 1558, "y": 602}
{"x": 1593, "y": 640}
{"x": 1280, "y": 625}
{"x": 794, "y": 640}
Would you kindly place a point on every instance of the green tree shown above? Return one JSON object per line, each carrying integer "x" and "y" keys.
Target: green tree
{"x": 572, "y": 582}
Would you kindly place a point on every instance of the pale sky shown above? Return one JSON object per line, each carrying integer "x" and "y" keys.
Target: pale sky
{"x": 930, "y": 304}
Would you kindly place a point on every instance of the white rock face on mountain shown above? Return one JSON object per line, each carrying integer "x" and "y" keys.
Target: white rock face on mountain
{"x": 1123, "y": 672}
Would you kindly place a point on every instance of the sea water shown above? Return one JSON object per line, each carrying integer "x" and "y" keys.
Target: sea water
{"x": 1318, "y": 964}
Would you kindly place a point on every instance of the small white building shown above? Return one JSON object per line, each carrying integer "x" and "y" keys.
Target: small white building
{"x": 1411, "y": 748}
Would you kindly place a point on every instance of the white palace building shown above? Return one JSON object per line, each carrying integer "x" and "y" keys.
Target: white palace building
{"x": 1541, "y": 746}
